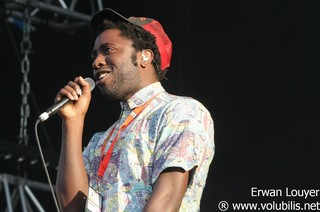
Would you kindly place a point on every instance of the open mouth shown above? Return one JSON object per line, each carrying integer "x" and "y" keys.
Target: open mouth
{"x": 100, "y": 75}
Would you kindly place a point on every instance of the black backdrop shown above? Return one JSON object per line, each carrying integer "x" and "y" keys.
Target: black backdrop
{"x": 253, "y": 64}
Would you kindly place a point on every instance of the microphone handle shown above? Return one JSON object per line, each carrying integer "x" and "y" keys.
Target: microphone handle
{"x": 56, "y": 107}
{"x": 53, "y": 109}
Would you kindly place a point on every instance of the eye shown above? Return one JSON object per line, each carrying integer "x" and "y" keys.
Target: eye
{"x": 106, "y": 50}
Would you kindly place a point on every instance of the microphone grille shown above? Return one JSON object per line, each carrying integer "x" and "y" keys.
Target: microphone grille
{"x": 91, "y": 82}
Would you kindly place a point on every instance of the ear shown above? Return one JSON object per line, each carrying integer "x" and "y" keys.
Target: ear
{"x": 146, "y": 57}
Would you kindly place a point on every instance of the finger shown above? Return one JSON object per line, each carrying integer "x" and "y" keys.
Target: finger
{"x": 69, "y": 92}
{"x": 76, "y": 88}
{"x": 85, "y": 86}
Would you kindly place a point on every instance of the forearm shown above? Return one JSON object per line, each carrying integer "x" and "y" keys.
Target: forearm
{"x": 72, "y": 181}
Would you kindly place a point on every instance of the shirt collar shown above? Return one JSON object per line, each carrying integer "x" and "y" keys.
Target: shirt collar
{"x": 142, "y": 96}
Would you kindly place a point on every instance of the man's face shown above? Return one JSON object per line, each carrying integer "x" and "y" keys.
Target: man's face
{"x": 114, "y": 65}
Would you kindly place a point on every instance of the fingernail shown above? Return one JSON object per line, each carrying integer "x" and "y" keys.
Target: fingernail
{"x": 79, "y": 92}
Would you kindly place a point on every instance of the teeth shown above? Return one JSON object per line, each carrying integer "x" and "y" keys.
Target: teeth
{"x": 101, "y": 76}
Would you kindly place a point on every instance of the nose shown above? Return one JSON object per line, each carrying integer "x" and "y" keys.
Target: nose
{"x": 98, "y": 62}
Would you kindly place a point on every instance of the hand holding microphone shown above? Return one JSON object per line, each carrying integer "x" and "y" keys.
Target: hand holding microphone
{"x": 68, "y": 90}
{"x": 78, "y": 93}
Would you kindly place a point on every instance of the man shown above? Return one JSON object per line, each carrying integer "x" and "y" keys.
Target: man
{"x": 156, "y": 157}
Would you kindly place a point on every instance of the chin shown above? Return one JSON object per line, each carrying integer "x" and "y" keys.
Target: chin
{"x": 109, "y": 96}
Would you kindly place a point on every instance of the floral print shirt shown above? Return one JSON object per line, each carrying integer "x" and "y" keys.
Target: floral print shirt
{"x": 172, "y": 131}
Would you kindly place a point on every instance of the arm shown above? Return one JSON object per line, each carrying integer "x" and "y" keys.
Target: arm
{"x": 72, "y": 181}
{"x": 168, "y": 191}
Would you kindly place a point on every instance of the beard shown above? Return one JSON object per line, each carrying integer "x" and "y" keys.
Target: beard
{"x": 124, "y": 82}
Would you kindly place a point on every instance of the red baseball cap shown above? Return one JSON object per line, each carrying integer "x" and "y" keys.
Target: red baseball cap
{"x": 153, "y": 26}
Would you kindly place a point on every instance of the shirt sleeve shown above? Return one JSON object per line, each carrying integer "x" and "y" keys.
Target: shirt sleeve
{"x": 185, "y": 138}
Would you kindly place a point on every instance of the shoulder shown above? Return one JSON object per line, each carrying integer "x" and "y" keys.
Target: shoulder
{"x": 184, "y": 113}
{"x": 185, "y": 106}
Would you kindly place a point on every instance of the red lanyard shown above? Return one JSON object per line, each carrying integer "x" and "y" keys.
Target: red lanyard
{"x": 106, "y": 159}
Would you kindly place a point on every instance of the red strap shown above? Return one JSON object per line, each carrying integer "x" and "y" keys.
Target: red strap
{"x": 106, "y": 159}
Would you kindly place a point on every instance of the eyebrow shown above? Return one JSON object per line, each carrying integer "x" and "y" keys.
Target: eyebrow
{"x": 100, "y": 48}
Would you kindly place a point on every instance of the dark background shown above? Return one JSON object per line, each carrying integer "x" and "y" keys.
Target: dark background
{"x": 253, "y": 64}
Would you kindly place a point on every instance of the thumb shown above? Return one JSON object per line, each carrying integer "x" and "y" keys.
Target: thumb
{"x": 87, "y": 84}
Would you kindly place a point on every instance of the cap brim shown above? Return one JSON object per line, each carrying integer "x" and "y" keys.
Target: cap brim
{"x": 98, "y": 18}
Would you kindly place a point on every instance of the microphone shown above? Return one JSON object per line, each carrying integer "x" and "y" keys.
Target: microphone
{"x": 62, "y": 102}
